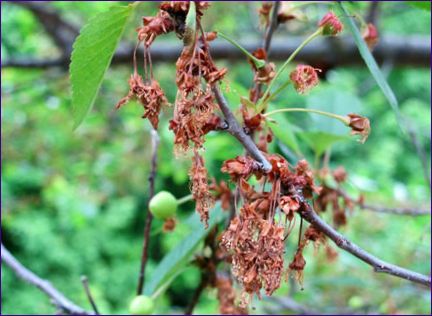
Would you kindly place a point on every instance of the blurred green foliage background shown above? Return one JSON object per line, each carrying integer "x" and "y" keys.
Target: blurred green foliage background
{"x": 74, "y": 203}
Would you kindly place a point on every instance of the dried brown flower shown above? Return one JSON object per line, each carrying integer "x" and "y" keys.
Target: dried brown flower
{"x": 304, "y": 78}
{"x": 289, "y": 206}
{"x": 200, "y": 189}
{"x": 339, "y": 174}
{"x": 257, "y": 251}
{"x": 222, "y": 193}
{"x": 359, "y": 126}
{"x": 370, "y": 35}
{"x": 264, "y": 13}
{"x": 149, "y": 94}
{"x": 240, "y": 167}
{"x": 297, "y": 265}
{"x": 155, "y": 26}
{"x": 227, "y": 297}
{"x": 169, "y": 225}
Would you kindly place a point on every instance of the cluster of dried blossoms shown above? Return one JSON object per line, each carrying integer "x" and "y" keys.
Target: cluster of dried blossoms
{"x": 255, "y": 238}
{"x": 195, "y": 105}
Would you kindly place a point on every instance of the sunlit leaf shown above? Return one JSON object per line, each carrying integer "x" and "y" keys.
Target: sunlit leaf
{"x": 91, "y": 57}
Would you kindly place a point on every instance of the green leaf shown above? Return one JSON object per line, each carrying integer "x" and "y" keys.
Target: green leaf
{"x": 191, "y": 16}
{"x": 91, "y": 56}
{"x": 424, "y": 5}
{"x": 370, "y": 61}
{"x": 331, "y": 99}
{"x": 176, "y": 259}
{"x": 321, "y": 141}
{"x": 283, "y": 130}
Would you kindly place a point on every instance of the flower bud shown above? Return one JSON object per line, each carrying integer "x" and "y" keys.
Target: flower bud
{"x": 330, "y": 24}
{"x": 359, "y": 126}
{"x": 370, "y": 36}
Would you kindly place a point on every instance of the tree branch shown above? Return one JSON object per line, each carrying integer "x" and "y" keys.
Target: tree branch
{"x": 272, "y": 27}
{"x": 395, "y": 210}
{"x": 197, "y": 294}
{"x": 237, "y": 131}
{"x": 149, "y": 217}
{"x": 84, "y": 281}
{"x": 342, "y": 242}
{"x": 332, "y": 52}
{"x": 266, "y": 44}
{"x": 373, "y": 12}
{"x": 25, "y": 274}
{"x": 383, "y": 209}
{"x": 62, "y": 32}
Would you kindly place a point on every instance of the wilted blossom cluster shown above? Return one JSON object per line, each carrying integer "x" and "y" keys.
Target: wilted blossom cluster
{"x": 255, "y": 237}
{"x": 194, "y": 106}
{"x": 265, "y": 213}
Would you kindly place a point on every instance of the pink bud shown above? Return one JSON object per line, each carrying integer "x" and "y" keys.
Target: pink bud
{"x": 330, "y": 24}
{"x": 370, "y": 35}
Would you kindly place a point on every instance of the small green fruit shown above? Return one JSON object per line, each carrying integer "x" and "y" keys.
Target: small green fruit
{"x": 163, "y": 205}
{"x": 141, "y": 305}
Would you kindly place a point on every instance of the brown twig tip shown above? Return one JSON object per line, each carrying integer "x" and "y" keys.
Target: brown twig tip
{"x": 84, "y": 281}
{"x": 237, "y": 131}
{"x": 149, "y": 218}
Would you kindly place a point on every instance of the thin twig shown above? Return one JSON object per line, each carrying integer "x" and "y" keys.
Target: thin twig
{"x": 272, "y": 27}
{"x": 342, "y": 242}
{"x": 84, "y": 281}
{"x": 373, "y": 12}
{"x": 61, "y": 31}
{"x": 395, "y": 210}
{"x": 58, "y": 298}
{"x": 273, "y": 24}
{"x": 149, "y": 218}
{"x": 197, "y": 294}
{"x": 383, "y": 209}
{"x": 238, "y": 132}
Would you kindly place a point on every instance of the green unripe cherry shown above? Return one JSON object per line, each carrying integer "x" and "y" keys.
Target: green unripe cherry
{"x": 141, "y": 305}
{"x": 163, "y": 205}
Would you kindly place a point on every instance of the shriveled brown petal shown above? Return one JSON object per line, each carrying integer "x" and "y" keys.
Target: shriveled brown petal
{"x": 339, "y": 174}
{"x": 359, "y": 126}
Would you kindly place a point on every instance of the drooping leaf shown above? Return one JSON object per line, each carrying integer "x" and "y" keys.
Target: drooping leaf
{"x": 92, "y": 53}
{"x": 370, "y": 61}
{"x": 177, "y": 258}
